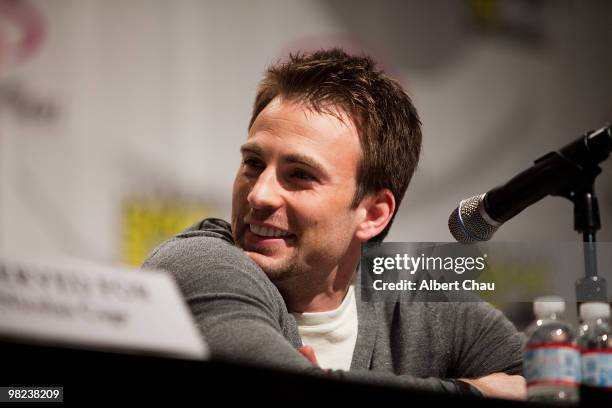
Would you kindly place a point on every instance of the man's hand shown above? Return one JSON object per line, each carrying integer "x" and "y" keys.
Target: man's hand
{"x": 309, "y": 353}
{"x": 500, "y": 385}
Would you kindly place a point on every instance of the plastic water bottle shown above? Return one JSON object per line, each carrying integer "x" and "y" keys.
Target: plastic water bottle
{"x": 596, "y": 346}
{"x": 551, "y": 363}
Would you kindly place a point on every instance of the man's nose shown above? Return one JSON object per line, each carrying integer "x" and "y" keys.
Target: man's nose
{"x": 266, "y": 193}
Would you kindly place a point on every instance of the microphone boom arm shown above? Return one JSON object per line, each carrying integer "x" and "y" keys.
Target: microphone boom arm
{"x": 559, "y": 173}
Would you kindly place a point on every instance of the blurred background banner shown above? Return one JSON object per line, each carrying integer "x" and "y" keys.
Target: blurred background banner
{"x": 120, "y": 121}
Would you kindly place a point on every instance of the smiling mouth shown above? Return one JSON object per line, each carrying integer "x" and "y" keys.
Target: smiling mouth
{"x": 268, "y": 232}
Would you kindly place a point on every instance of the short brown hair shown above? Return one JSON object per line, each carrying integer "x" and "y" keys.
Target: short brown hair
{"x": 388, "y": 123}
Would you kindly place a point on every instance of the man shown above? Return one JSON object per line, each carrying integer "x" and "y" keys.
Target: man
{"x": 331, "y": 148}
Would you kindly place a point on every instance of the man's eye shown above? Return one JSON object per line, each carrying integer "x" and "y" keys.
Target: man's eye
{"x": 302, "y": 175}
{"x": 254, "y": 164}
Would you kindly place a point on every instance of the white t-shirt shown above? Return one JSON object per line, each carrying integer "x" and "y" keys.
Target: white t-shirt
{"x": 331, "y": 334}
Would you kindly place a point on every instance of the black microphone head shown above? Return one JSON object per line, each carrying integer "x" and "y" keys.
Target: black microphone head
{"x": 469, "y": 222}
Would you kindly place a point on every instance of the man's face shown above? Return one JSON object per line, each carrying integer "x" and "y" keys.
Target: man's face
{"x": 291, "y": 208}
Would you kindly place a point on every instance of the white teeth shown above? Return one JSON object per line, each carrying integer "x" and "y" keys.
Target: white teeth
{"x": 267, "y": 232}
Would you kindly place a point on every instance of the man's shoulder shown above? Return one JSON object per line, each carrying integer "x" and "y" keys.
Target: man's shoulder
{"x": 209, "y": 240}
{"x": 209, "y": 228}
{"x": 205, "y": 251}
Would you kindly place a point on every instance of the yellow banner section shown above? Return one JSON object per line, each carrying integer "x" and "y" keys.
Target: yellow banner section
{"x": 146, "y": 222}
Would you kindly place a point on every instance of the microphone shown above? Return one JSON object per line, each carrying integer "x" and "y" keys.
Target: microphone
{"x": 556, "y": 173}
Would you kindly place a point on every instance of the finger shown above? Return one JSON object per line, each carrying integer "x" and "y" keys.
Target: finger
{"x": 309, "y": 353}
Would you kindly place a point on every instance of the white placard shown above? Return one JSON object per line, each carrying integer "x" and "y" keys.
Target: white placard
{"x": 93, "y": 306}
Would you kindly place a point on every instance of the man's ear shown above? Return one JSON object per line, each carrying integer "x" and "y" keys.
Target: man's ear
{"x": 378, "y": 208}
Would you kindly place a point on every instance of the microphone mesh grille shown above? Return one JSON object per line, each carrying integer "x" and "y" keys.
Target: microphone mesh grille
{"x": 467, "y": 224}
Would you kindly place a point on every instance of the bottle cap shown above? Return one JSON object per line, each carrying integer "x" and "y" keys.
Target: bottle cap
{"x": 594, "y": 311}
{"x": 543, "y": 306}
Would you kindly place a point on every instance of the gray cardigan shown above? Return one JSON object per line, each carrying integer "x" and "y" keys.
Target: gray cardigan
{"x": 243, "y": 318}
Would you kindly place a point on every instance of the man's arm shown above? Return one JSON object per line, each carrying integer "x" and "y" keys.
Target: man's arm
{"x": 500, "y": 385}
{"x": 485, "y": 341}
{"x": 489, "y": 350}
{"x": 231, "y": 300}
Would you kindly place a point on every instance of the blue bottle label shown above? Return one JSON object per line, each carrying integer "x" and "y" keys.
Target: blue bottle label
{"x": 597, "y": 368}
{"x": 552, "y": 363}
